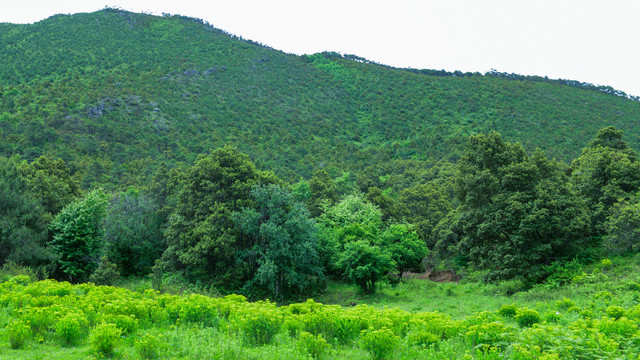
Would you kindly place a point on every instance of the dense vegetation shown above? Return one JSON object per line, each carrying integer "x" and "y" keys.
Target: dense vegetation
{"x": 160, "y": 148}
{"x": 595, "y": 316}
{"x": 115, "y": 93}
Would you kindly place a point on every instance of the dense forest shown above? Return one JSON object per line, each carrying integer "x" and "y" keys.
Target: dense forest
{"x": 135, "y": 146}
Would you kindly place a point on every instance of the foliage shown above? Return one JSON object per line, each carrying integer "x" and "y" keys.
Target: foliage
{"x": 201, "y": 235}
{"x": 23, "y": 227}
{"x": 365, "y": 264}
{"x": 51, "y": 181}
{"x": 77, "y": 236}
{"x": 323, "y": 192}
{"x": 191, "y": 326}
{"x": 18, "y": 332}
{"x": 149, "y": 346}
{"x": 527, "y": 317}
{"x": 105, "y": 274}
{"x": 425, "y": 206}
{"x": 508, "y": 310}
{"x": 72, "y": 328}
{"x": 406, "y": 249}
{"x": 115, "y": 103}
{"x": 623, "y": 228}
{"x": 606, "y": 172}
{"x": 132, "y": 232}
{"x": 517, "y": 212}
{"x": 104, "y": 338}
{"x": 380, "y": 343}
{"x": 316, "y": 346}
{"x": 283, "y": 242}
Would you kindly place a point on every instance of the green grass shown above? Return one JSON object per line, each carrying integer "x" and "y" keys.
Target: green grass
{"x": 596, "y": 315}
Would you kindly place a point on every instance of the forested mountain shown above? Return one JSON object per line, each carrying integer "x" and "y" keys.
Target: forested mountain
{"x": 114, "y": 93}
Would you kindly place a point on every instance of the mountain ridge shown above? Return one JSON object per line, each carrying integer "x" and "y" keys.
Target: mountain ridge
{"x": 118, "y": 92}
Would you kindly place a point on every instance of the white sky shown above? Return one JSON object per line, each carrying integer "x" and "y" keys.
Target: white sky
{"x": 595, "y": 41}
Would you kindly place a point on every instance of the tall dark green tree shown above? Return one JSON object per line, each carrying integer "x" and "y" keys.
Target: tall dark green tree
{"x": 424, "y": 206}
{"x": 201, "y": 236}
{"x": 284, "y": 256}
{"x": 608, "y": 171}
{"x": 323, "y": 192}
{"x": 51, "y": 181}
{"x": 23, "y": 225}
{"x": 132, "y": 232}
{"x": 517, "y": 213}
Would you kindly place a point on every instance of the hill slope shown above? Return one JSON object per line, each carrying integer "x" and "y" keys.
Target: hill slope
{"x": 114, "y": 92}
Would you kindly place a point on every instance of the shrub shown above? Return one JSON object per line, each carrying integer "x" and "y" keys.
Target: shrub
{"x": 18, "y": 333}
{"x": 508, "y": 310}
{"x": 527, "y": 317}
{"x": 552, "y": 317}
{"x": 105, "y": 274}
{"x": 493, "y": 334}
{"x": 21, "y": 280}
{"x": 347, "y": 328}
{"x": 316, "y": 346}
{"x": 615, "y": 312}
{"x": 72, "y": 328}
{"x": 622, "y": 327}
{"x": 423, "y": 338}
{"x": 149, "y": 346}
{"x": 259, "y": 326}
{"x": 379, "y": 342}
{"x": 565, "y": 303}
{"x": 128, "y": 324}
{"x": 104, "y": 338}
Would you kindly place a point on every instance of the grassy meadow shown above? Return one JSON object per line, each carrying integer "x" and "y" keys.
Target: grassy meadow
{"x": 583, "y": 313}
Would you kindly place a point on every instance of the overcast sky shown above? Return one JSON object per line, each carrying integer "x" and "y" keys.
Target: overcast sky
{"x": 586, "y": 40}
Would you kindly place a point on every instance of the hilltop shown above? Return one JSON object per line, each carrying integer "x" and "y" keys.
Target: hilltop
{"x": 113, "y": 93}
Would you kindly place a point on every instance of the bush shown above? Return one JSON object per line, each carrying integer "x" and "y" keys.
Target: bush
{"x": 493, "y": 334}
{"x": 105, "y": 274}
{"x": 259, "y": 326}
{"x": 508, "y": 310}
{"x": 128, "y": 324}
{"x": 149, "y": 346}
{"x": 72, "y": 328}
{"x": 565, "y": 304}
{"x": 105, "y": 338}
{"x": 379, "y": 343}
{"x": 315, "y": 346}
{"x": 423, "y": 338}
{"x": 552, "y": 317}
{"x": 18, "y": 333}
{"x": 347, "y": 328}
{"x": 615, "y": 312}
{"x": 527, "y": 317}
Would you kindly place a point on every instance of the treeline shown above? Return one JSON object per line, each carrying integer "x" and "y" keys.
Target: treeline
{"x": 226, "y": 224}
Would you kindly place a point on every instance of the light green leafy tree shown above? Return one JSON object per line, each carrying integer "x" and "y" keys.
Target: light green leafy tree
{"x": 406, "y": 248}
{"x": 365, "y": 264}
{"x": 77, "y": 235}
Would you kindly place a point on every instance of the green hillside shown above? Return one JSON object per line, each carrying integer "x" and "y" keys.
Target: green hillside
{"x": 113, "y": 93}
